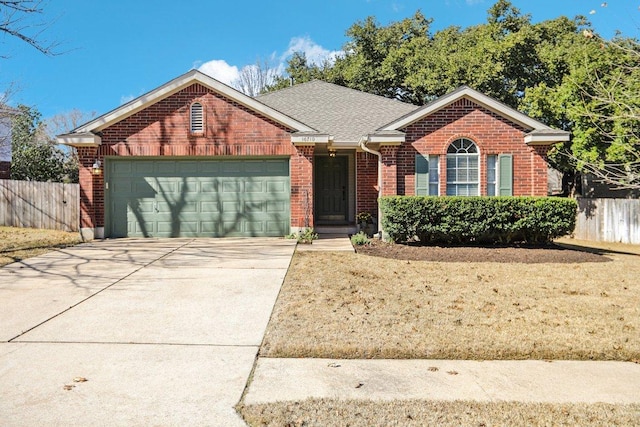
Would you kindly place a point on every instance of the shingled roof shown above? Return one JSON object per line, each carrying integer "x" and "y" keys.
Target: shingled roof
{"x": 345, "y": 113}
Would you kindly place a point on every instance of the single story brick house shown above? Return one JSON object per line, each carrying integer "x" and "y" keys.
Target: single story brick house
{"x": 195, "y": 157}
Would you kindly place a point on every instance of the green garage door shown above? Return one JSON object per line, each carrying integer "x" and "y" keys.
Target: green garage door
{"x": 197, "y": 198}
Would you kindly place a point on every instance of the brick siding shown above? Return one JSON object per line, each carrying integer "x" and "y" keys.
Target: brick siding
{"x": 162, "y": 129}
{"x": 367, "y": 187}
{"x": 492, "y": 133}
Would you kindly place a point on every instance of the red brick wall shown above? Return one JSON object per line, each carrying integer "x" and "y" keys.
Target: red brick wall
{"x": 302, "y": 187}
{"x": 367, "y": 183}
{"x": 91, "y": 189}
{"x": 492, "y": 134}
{"x": 162, "y": 129}
{"x": 389, "y": 170}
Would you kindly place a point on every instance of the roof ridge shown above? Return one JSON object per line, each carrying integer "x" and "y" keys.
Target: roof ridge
{"x": 361, "y": 92}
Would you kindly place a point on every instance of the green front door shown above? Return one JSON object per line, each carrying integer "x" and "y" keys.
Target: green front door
{"x": 331, "y": 189}
{"x": 197, "y": 198}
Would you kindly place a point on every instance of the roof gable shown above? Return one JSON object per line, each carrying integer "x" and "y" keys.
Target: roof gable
{"x": 479, "y": 98}
{"x": 172, "y": 87}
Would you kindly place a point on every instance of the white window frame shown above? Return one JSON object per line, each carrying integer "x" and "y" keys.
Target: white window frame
{"x": 466, "y": 149}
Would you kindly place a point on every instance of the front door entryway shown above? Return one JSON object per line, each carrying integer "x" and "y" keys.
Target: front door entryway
{"x": 331, "y": 175}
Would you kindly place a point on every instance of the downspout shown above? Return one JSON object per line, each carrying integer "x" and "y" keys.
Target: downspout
{"x": 363, "y": 145}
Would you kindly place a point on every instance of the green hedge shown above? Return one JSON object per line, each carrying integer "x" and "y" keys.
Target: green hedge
{"x": 477, "y": 220}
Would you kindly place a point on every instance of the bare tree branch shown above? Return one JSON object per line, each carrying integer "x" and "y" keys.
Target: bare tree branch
{"x": 255, "y": 78}
{"x": 16, "y": 20}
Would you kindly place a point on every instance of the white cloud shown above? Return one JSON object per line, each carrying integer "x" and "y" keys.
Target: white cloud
{"x": 220, "y": 70}
{"x": 126, "y": 98}
{"x": 315, "y": 53}
{"x": 474, "y": 2}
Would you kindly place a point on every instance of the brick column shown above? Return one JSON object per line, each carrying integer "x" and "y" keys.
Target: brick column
{"x": 302, "y": 187}
{"x": 539, "y": 170}
{"x": 88, "y": 182}
{"x": 389, "y": 170}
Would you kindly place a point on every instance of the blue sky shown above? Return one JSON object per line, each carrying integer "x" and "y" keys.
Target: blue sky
{"x": 117, "y": 50}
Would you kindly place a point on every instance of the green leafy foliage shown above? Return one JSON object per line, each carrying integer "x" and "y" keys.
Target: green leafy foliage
{"x": 308, "y": 235}
{"x": 34, "y": 156}
{"x": 558, "y": 71}
{"x": 360, "y": 239}
{"x": 477, "y": 220}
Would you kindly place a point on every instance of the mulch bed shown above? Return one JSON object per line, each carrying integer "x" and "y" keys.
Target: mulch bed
{"x": 528, "y": 255}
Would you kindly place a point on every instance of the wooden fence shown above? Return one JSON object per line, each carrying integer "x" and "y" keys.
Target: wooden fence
{"x": 47, "y": 205}
{"x": 608, "y": 220}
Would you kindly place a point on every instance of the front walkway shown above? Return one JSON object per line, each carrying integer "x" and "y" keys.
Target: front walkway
{"x": 329, "y": 242}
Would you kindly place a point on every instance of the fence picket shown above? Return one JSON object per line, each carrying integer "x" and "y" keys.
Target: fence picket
{"x": 608, "y": 220}
{"x": 31, "y": 204}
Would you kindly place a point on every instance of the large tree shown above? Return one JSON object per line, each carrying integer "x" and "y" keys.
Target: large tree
{"x": 35, "y": 156}
{"x": 300, "y": 70}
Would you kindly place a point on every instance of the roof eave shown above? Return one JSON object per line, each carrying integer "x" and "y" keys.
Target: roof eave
{"x": 548, "y": 138}
{"x": 84, "y": 139}
{"x": 386, "y": 139}
{"x": 310, "y": 138}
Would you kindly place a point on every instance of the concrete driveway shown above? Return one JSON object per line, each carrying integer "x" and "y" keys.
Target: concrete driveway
{"x": 164, "y": 331}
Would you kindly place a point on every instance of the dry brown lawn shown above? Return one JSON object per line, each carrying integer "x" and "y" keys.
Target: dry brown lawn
{"x": 317, "y": 412}
{"x": 343, "y": 305}
{"x": 19, "y": 243}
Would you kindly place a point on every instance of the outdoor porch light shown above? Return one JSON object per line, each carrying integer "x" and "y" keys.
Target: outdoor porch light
{"x": 332, "y": 152}
{"x": 96, "y": 168}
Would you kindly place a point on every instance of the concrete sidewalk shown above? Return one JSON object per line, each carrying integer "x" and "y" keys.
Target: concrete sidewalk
{"x": 523, "y": 381}
{"x": 328, "y": 242}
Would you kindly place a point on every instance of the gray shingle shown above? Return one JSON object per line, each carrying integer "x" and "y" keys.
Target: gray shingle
{"x": 345, "y": 113}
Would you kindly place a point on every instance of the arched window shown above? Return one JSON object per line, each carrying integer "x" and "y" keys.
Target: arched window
{"x": 197, "y": 118}
{"x": 462, "y": 168}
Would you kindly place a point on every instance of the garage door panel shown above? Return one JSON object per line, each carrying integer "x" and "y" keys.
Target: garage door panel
{"x": 256, "y": 228}
{"x": 174, "y": 197}
{"x": 208, "y": 168}
{"x": 209, "y": 207}
{"x": 254, "y": 187}
{"x": 276, "y": 167}
{"x": 232, "y": 168}
{"x": 142, "y": 189}
{"x": 273, "y": 227}
{"x": 209, "y": 186}
{"x": 231, "y": 208}
{"x": 253, "y": 207}
{"x": 143, "y": 168}
{"x": 234, "y": 187}
{"x": 165, "y": 168}
{"x": 275, "y": 187}
{"x": 277, "y": 207}
{"x": 254, "y": 167}
{"x": 210, "y": 228}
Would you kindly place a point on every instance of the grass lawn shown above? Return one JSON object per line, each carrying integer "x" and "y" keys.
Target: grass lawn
{"x": 324, "y": 412}
{"x": 19, "y": 243}
{"x": 343, "y": 305}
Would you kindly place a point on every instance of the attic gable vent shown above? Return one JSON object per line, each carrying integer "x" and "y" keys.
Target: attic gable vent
{"x": 197, "y": 118}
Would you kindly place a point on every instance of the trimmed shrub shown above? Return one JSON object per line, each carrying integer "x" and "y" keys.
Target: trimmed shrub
{"x": 477, "y": 220}
{"x": 360, "y": 239}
